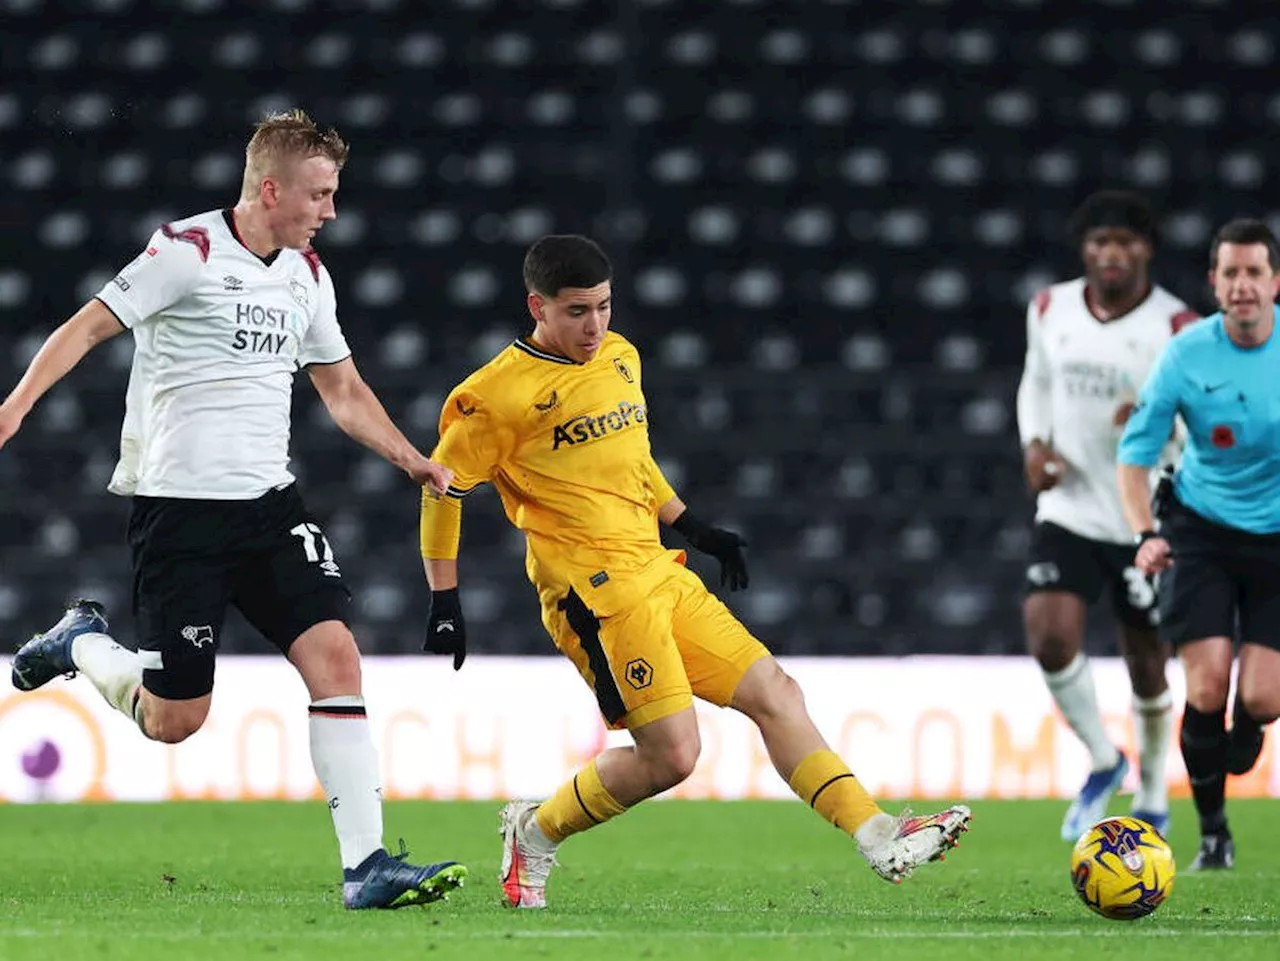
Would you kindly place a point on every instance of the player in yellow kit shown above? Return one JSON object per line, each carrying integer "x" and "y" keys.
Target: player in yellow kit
{"x": 557, "y": 423}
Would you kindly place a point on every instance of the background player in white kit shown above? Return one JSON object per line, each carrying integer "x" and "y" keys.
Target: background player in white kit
{"x": 225, "y": 307}
{"x": 1090, "y": 345}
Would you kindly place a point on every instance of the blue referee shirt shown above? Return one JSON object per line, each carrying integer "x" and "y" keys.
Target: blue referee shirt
{"x": 1229, "y": 398}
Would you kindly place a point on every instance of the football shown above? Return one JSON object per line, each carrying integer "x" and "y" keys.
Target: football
{"x": 1122, "y": 869}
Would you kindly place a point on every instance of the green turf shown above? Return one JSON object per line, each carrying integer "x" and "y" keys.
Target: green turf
{"x": 670, "y": 880}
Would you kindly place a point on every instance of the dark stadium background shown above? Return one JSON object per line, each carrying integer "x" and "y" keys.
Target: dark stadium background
{"x": 826, "y": 219}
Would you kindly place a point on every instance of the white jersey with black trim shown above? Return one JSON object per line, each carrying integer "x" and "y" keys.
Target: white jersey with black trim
{"x": 218, "y": 335}
{"x": 1079, "y": 385}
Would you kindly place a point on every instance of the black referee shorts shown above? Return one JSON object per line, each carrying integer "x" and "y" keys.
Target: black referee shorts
{"x": 1224, "y": 582}
{"x": 191, "y": 558}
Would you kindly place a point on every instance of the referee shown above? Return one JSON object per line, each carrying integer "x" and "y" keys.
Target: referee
{"x": 1219, "y": 539}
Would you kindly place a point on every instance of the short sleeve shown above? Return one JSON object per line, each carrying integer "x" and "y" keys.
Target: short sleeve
{"x": 1152, "y": 421}
{"x": 324, "y": 342}
{"x": 165, "y": 272}
{"x": 662, "y": 489}
{"x": 473, "y": 440}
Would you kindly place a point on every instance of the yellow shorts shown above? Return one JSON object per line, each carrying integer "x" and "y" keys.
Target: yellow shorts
{"x": 647, "y": 660}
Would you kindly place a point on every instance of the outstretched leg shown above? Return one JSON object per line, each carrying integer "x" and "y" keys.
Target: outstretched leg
{"x": 79, "y": 644}
{"x": 893, "y": 846}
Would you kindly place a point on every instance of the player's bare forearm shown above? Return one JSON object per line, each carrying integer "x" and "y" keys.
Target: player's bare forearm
{"x": 357, "y": 411}
{"x": 671, "y": 510}
{"x": 62, "y": 350}
{"x": 370, "y": 424}
{"x": 442, "y": 573}
{"x": 1135, "y": 497}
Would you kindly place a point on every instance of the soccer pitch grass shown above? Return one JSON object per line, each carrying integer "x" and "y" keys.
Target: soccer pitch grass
{"x": 733, "y": 880}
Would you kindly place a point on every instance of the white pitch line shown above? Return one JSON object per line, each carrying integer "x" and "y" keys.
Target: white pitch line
{"x": 885, "y": 935}
{"x": 438, "y": 934}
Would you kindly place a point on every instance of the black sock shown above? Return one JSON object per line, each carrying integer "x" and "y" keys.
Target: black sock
{"x": 1244, "y": 725}
{"x": 1204, "y": 750}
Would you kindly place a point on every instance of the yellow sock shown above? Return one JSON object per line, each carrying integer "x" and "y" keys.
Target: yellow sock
{"x": 826, "y": 784}
{"x": 580, "y": 803}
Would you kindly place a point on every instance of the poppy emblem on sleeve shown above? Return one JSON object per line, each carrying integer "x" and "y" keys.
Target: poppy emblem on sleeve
{"x": 1222, "y": 437}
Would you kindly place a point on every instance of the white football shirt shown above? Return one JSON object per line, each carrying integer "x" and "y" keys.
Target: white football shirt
{"x": 1081, "y": 378}
{"x": 218, "y": 335}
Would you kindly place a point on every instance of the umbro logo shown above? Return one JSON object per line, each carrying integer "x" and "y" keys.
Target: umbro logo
{"x": 548, "y": 404}
{"x": 232, "y": 284}
{"x": 464, "y": 410}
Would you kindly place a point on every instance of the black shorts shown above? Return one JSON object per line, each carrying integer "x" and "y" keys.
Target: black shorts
{"x": 191, "y": 558}
{"x": 1224, "y": 582}
{"x": 1064, "y": 561}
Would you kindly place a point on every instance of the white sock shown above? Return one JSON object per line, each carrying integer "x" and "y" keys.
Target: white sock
{"x": 1073, "y": 691}
{"x": 876, "y": 830}
{"x": 533, "y": 833}
{"x": 346, "y": 763}
{"x": 1154, "y": 729}
{"x": 114, "y": 670}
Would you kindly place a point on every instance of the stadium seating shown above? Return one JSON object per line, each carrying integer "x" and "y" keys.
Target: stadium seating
{"x": 825, "y": 226}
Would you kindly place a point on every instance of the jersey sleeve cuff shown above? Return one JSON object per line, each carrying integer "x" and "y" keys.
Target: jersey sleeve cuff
{"x": 323, "y": 361}
{"x": 1134, "y": 458}
{"x": 119, "y": 311}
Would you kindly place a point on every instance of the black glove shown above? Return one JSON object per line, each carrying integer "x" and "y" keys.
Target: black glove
{"x": 725, "y": 546}
{"x": 446, "y": 630}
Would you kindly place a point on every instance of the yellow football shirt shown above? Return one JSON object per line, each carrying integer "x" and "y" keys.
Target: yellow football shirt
{"x": 566, "y": 445}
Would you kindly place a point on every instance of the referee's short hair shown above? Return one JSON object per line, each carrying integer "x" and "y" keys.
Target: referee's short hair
{"x": 1245, "y": 231}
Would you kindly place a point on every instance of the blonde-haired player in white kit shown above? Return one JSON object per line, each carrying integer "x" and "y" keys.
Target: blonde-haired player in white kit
{"x": 1090, "y": 345}
{"x": 225, "y": 307}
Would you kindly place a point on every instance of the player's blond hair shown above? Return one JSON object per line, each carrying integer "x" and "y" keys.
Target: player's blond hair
{"x": 283, "y": 137}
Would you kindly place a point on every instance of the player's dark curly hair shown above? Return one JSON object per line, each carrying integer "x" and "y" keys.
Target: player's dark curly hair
{"x": 1245, "y": 231}
{"x": 1115, "y": 208}
{"x": 565, "y": 260}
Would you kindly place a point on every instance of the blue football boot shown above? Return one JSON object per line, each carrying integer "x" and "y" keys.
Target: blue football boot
{"x": 1090, "y": 805}
{"x": 1157, "y": 819}
{"x": 386, "y": 881}
{"x": 48, "y": 655}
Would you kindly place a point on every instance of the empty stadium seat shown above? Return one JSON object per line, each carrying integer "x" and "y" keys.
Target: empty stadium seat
{"x": 826, "y": 228}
